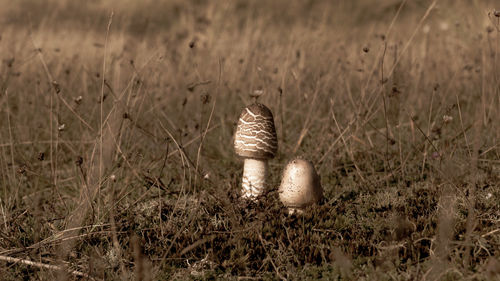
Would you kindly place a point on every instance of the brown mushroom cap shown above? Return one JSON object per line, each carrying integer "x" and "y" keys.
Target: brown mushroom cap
{"x": 255, "y": 135}
{"x": 300, "y": 185}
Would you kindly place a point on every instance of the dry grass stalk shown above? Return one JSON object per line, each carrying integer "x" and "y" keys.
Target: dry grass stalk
{"x": 121, "y": 117}
{"x": 46, "y": 266}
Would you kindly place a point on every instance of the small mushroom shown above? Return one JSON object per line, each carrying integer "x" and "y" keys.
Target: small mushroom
{"x": 256, "y": 141}
{"x": 300, "y": 186}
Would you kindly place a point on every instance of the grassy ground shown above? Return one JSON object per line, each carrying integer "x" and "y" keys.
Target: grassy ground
{"x": 116, "y": 157}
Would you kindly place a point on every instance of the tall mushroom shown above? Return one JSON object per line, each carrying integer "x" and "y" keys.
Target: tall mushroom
{"x": 255, "y": 140}
{"x": 300, "y": 186}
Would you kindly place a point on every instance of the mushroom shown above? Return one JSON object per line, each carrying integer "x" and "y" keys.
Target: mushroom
{"x": 300, "y": 186}
{"x": 256, "y": 141}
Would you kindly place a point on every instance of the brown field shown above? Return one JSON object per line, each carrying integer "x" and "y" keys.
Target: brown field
{"x": 117, "y": 118}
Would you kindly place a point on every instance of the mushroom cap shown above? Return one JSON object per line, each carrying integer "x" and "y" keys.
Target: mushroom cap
{"x": 255, "y": 135}
{"x": 300, "y": 185}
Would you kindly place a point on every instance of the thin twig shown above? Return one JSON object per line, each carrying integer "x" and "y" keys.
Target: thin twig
{"x": 101, "y": 102}
{"x": 386, "y": 158}
{"x": 271, "y": 259}
{"x": 389, "y": 29}
{"x": 208, "y": 124}
{"x": 349, "y": 151}
{"x": 307, "y": 122}
{"x": 10, "y": 137}
{"x": 336, "y": 141}
{"x": 491, "y": 232}
{"x": 426, "y": 14}
{"x": 196, "y": 244}
{"x": 46, "y": 266}
{"x": 56, "y": 89}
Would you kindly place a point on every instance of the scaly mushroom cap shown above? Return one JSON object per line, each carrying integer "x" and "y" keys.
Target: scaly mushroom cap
{"x": 301, "y": 185}
{"x": 255, "y": 135}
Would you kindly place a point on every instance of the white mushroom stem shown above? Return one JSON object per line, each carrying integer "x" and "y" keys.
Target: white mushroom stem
{"x": 297, "y": 211}
{"x": 254, "y": 178}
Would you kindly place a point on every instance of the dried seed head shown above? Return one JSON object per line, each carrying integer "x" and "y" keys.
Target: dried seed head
{"x": 56, "y": 86}
{"x": 436, "y": 155}
{"x": 447, "y": 118}
{"x": 256, "y": 94}
{"x": 9, "y": 62}
{"x": 205, "y": 98}
{"x": 78, "y": 100}
{"x": 79, "y": 161}
{"x": 22, "y": 169}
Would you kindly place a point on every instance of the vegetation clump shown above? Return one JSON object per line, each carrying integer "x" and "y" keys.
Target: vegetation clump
{"x": 116, "y": 138}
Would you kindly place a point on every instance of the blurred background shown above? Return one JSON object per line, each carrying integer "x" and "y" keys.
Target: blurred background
{"x": 117, "y": 118}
